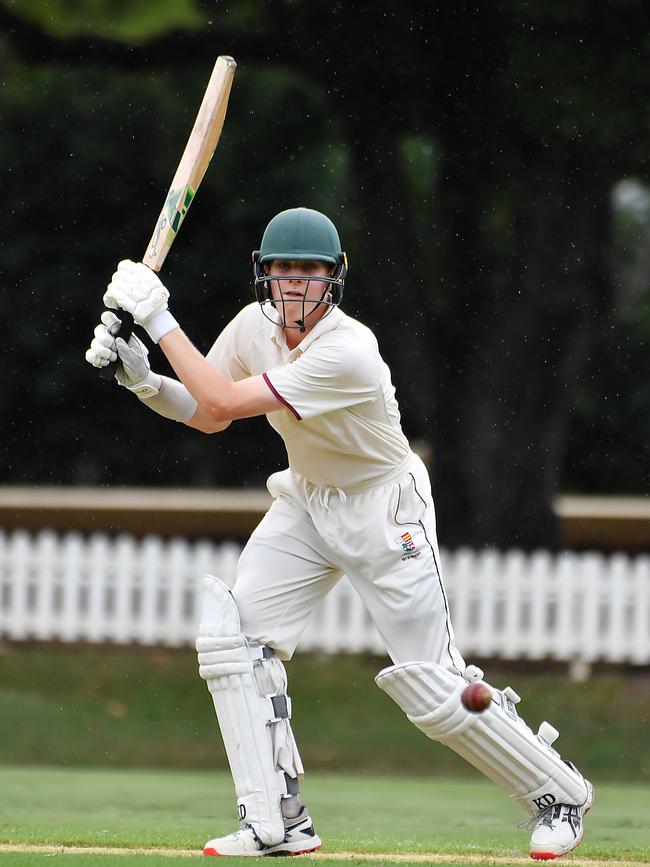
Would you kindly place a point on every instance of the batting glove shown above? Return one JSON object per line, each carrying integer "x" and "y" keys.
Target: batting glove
{"x": 136, "y": 289}
{"x": 102, "y": 350}
{"x": 134, "y": 372}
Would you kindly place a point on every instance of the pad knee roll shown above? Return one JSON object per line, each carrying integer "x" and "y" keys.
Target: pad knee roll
{"x": 248, "y": 688}
{"x": 497, "y": 741}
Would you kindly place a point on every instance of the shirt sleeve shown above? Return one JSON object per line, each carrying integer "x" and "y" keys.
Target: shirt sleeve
{"x": 330, "y": 375}
{"x": 225, "y": 354}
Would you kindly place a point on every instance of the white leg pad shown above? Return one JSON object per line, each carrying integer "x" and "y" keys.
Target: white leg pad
{"x": 496, "y": 742}
{"x": 248, "y": 688}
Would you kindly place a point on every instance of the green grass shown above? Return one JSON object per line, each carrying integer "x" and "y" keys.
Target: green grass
{"x": 180, "y": 810}
{"x": 88, "y": 706}
{"x": 72, "y": 718}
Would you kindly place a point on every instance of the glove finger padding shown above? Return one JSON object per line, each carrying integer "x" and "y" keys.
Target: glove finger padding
{"x": 132, "y": 287}
{"x": 99, "y": 355}
{"x": 128, "y": 266}
{"x": 102, "y": 350}
{"x": 111, "y": 321}
{"x": 103, "y": 337}
{"x": 138, "y": 271}
{"x": 120, "y": 295}
{"x": 137, "y": 279}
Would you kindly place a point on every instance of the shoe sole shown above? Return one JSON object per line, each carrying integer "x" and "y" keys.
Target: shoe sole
{"x": 549, "y": 856}
{"x": 277, "y": 854}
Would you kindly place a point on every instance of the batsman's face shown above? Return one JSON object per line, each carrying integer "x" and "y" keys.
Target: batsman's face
{"x": 297, "y": 291}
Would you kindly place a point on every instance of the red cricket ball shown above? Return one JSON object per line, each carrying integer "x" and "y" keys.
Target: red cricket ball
{"x": 476, "y": 697}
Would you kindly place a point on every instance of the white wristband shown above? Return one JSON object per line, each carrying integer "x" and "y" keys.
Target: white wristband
{"x": 160, "y": 324}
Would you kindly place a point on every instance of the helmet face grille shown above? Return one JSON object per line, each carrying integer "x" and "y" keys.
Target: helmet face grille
{"x": 330, "y": 296}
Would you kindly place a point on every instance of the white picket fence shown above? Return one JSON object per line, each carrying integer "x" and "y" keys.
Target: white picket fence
{"x": 577, "y": 608}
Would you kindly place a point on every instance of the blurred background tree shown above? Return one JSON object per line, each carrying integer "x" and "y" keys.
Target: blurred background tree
{"x": 473, "y": 159}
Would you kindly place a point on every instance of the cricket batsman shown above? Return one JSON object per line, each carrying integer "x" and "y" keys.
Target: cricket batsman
{"x": 354, "y": 500}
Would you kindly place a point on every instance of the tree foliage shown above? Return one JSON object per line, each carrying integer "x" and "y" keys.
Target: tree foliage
{"x": 467, "y": 154}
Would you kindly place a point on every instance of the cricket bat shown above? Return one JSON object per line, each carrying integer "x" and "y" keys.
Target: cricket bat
{"x": 192, "y": 167}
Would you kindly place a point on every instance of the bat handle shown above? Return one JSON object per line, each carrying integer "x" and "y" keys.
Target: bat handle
{"x": 126, "y": 329}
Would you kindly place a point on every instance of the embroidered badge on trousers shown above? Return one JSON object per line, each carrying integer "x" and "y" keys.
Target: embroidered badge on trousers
{"x": 408, "y": 546}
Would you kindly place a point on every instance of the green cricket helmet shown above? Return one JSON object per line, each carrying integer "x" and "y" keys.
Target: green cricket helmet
{"x": 301, "y": 234}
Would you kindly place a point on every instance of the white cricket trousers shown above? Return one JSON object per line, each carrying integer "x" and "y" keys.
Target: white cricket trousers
{"x": 383, "y": 538}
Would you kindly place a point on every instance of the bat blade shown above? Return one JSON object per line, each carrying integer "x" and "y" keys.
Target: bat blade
{"x": 193, "y": 164}
{"x": 192, "y": 167}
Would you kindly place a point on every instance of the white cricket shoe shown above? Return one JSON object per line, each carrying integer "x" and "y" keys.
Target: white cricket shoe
{"x": 299, "y": 838}
{"x": 559, "y": 829}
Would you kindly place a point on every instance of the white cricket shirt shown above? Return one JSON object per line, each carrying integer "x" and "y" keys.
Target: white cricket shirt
{"x": 339, "y": 421}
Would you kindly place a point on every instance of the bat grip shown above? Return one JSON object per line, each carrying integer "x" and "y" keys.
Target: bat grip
{"x": 126, "y": 329}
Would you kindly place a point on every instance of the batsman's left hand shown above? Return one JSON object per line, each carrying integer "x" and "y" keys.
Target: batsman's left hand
{"x": 136, "y": 289}
{"x": 102, "y": 350}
